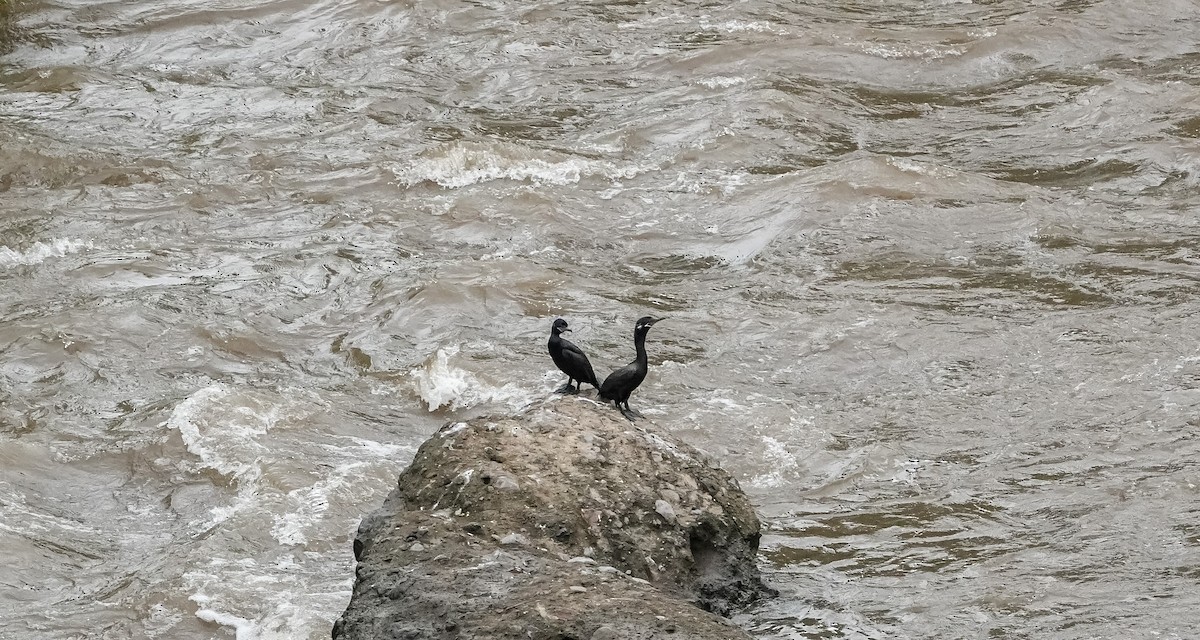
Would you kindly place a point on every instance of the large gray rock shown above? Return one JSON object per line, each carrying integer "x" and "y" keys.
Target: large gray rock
{"x": 563, "y": 522}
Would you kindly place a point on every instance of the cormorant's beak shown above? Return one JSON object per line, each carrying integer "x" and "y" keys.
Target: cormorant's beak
{"x": 656, "y": 320}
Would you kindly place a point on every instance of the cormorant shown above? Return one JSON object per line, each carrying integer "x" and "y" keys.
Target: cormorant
{"x": 569, "y": 359}
{"x": 620, "y": 383}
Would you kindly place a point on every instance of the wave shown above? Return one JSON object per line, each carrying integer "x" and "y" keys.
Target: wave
{"x": 462, "y": 164}
{"x": 41, "y": 251}
{"x": 220, "y": 432}
{"x": 441, "y": 384}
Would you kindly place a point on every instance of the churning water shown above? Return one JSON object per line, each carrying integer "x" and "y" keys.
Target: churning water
{"x": 931, "y": 273}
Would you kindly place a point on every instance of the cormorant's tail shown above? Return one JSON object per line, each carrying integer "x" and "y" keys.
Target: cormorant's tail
{"x": 591, "y": 379}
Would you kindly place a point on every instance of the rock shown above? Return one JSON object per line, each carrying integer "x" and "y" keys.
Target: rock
{"x": 514, "y": 538}
{"x": 665, "y": 510}
{"x": 607, "y": 530}
{"x": 605, "y": 633}
{"x": 505, "y": 483}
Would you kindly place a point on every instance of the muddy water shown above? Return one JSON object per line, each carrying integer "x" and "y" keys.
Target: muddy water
{"x": 930, "y": 271}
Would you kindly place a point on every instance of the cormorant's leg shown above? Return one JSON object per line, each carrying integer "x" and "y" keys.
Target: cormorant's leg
{"x": 566, "y": 388}
{"x": 627, "y": 411}
{"x": 617, "y": 403}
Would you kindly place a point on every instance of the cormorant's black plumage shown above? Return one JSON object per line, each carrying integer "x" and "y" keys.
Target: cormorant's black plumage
{"x": 569, "y": 359}
{"x": 620, "y": 383}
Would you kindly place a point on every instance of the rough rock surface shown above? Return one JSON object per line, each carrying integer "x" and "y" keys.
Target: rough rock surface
{"x": 564, "y": 522}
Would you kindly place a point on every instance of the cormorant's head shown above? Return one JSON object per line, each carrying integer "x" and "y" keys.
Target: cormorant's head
{"x": 559, "y": 326}
{"x": 644, "y": 323}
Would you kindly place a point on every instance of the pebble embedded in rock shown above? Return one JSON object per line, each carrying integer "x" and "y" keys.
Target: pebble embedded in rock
{"x": 605, "y": 632}
{"x": 514, "y": 538}
{"x": 665, "y": 510}
{"x": 505, "y": 483}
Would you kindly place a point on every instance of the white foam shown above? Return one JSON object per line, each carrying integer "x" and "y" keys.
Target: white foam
{"x": 441, "y": 384}
{"x": 721, "y": 82}
{"x": 908, "y": 165}
{"x": 724, "y": 404}
{"x": 726, "y": 183}
{"x": 270, "y": 600}
{"x": 907, "y": 471}
{"x": 40, "y": 251}
{"x": 899, "y": 51}
{"x": 222, "y": 429}
{"x": 216, "y": 431}
{"x": 161, "y": 621}
{"x": 288, "y": 571}
{"x": 782, "y": 463}
{"x": 462, "y": 164}
{"x": 739, "y": 26}
{"x": 225, "y": 428}
{"x": 243, "y": 629}
{"x": 380, "y": 450}
{"x": 304, "y": 509}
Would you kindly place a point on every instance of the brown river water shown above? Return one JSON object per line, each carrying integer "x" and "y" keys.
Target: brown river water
{"x": 930, "y": 268}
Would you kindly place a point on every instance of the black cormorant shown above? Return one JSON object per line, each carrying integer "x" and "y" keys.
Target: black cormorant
{"x": 620, "y": 383}
{"x": 569, "y": 359}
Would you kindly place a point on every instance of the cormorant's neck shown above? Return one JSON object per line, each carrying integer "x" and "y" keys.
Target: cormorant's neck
{"x": 639, "y": 343}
